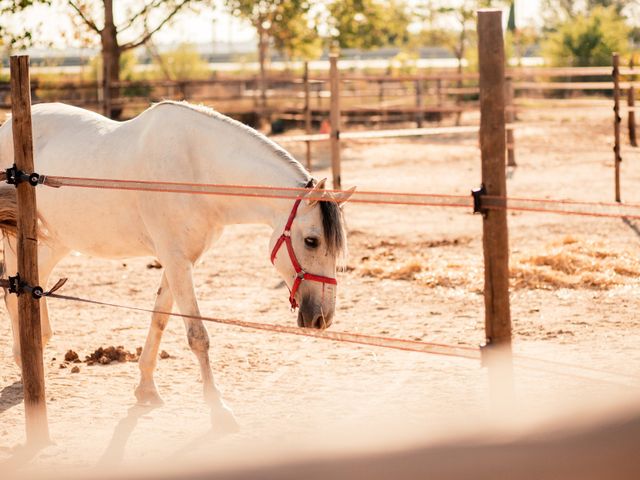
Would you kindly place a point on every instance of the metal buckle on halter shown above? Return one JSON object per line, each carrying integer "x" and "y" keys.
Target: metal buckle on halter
{"x": 301, "y": 274}
{"x": 286, "y": 233}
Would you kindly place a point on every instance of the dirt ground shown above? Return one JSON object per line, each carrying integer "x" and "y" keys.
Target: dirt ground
{"x": 413, "y": 273}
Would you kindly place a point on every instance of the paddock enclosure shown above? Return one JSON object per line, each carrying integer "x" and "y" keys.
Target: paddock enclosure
{"x": 414, "y": 273}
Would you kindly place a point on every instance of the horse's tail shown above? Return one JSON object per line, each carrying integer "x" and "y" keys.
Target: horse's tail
{"x": 8, "y": 210}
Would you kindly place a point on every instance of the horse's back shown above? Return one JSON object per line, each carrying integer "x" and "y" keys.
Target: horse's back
{"x": 71, "y": 141}
{"x": 56, "y": 124}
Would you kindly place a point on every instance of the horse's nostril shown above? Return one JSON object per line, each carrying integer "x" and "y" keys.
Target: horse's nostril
{"x": 320, "y": 322}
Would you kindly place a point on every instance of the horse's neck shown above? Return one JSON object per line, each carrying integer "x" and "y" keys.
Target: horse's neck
{"x": 254, "y": 163}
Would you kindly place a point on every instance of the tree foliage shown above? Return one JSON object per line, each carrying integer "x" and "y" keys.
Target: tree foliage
{"x": 285, "y": 23}
{"x": 588, "y": 39}
{"x": 182, "y": 63}
{"x": 369, "y": 24}
{"x": 557, "y": 12}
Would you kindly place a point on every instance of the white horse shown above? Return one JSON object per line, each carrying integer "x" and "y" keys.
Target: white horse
{"x": 173, "y": 142}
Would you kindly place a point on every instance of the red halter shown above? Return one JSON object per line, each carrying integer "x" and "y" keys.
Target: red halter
{"x": 300, "y": 273}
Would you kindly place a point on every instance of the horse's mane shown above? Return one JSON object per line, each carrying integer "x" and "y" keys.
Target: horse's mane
{"x": 332, "y": 218}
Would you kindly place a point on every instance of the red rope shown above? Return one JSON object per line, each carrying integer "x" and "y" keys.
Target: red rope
{"x": 566, "y": 207}
{"x": 357, "y": 338}
{"x": 459, "y": 351}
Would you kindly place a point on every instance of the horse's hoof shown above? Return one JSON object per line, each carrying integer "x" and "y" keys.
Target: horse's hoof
{"x": 148, "y": 397}
{"x": 223, "y": 421}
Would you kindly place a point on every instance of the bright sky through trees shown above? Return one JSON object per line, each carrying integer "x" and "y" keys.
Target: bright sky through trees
{"x": 204, "y": 27}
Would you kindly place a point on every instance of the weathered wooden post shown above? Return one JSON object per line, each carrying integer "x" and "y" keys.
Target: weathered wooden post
{"x": 439, "y": 101}
{"x": 419, "y": 103}
{"x": 616, "y": 123}
{"x": 631, "y": 103}
{"x": 495, "y": 239}
{"x": 106, "y": 96}
{"x": 334, "y": 75}
{"x": 28, "y": 306}
{"x": 510, "y": 117}
{"x": 307, "y": 111}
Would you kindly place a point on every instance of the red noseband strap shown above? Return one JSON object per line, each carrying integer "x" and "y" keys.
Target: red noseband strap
{"x": 300, "y": 273}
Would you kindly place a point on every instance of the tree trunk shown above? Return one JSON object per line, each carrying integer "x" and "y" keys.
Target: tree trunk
{"x": 110, "y": 63}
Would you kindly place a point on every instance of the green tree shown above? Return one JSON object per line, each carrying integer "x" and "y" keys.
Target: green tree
{"x": 182, "y": 63}
{"x": 296, "y": 35}
{"x": 284, "y": 22}
{"x": 588, "y": 39}
{"x": 143, "y": 18}
{"x": 557, "y": 12}
{"x": 367, "y": 24}
{"x": 452, "y": 27}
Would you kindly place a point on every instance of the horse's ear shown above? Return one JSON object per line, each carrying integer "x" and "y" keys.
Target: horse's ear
{"x": 318, "y": 191}
{"x": 344, "y": 196}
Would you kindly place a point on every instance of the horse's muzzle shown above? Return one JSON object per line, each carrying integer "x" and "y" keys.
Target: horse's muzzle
{"x": 313, "y": 318}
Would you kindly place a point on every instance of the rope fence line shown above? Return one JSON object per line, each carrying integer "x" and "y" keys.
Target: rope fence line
{"x": 391, "y": 343}
{"x": 472, "y": 353}
{"x": 393, "y": 198}
{"x": 563, "y": 207}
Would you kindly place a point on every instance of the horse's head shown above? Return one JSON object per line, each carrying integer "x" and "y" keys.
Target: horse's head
{"x": 306, "y": 248}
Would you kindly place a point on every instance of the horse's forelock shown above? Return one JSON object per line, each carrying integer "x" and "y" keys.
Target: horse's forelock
{"x": 332, "y": 225}
{"x": 333, "y": 228}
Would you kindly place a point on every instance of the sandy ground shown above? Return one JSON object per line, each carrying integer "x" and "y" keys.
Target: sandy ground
{"x": 413, "y": 273}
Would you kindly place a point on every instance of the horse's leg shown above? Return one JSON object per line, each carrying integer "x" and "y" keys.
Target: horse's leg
{"x": 179, "y": 275}
{"x": 146, "y": 392}
{"x": 47, "y": 260}
{"x": 10, "y": 299}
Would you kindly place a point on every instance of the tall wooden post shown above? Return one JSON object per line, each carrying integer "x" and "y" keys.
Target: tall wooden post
{"x": 307, "y": 111}
{"x": 419, "y": 103}
{"x": 28, "y": 306}
{"x": 334, "y": 77}
{"x": 106, "y": 96}
{"x": 439, "y": 101}
{"x": 510, "y": 117}
{"x": 616, "y": 123}
{"x": 631, "y": 103}
{"x": 495, "y": 237}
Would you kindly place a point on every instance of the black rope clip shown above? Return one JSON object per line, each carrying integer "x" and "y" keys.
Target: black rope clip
{"x": 15, "y": 177}
{"x": 477, "y": 194}
{"x": 17, "y": 286}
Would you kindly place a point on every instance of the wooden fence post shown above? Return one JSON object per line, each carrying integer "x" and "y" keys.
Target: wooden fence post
{"x": 616, "y": 123}
{"x": 28, "y": 307}
{"x": 495, "y": 233}
{"x": 439, "y": 100}
{"x": 510, "y": 117}
{"x": 334, "y": 75}
{"x": 307, "y": 111}
{"x": 106, "y": 86}
{"x": 419, "y": 103}
{"x": 631, "y": 103}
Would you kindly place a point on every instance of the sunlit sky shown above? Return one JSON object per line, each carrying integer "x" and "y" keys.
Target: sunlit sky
{"x": 205, "y": 26}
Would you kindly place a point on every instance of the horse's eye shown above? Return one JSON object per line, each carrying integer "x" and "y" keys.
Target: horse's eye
{"x": 311, "y": 242}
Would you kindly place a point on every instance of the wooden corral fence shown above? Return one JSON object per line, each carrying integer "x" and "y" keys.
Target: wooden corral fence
{"x": 495, "y": 237}
{"x": 490, "y": 200}
{"x": 368, "y": 100}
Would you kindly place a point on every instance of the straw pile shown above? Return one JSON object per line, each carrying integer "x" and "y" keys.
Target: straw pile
{"x": 570, "y": 263}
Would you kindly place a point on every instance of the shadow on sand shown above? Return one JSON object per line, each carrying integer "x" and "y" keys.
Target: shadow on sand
{"x": 10, "y": 396}
{"x": 633, "y": 225}
{"x": 125, "y": 427}
{"x": 114, "y": 453}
